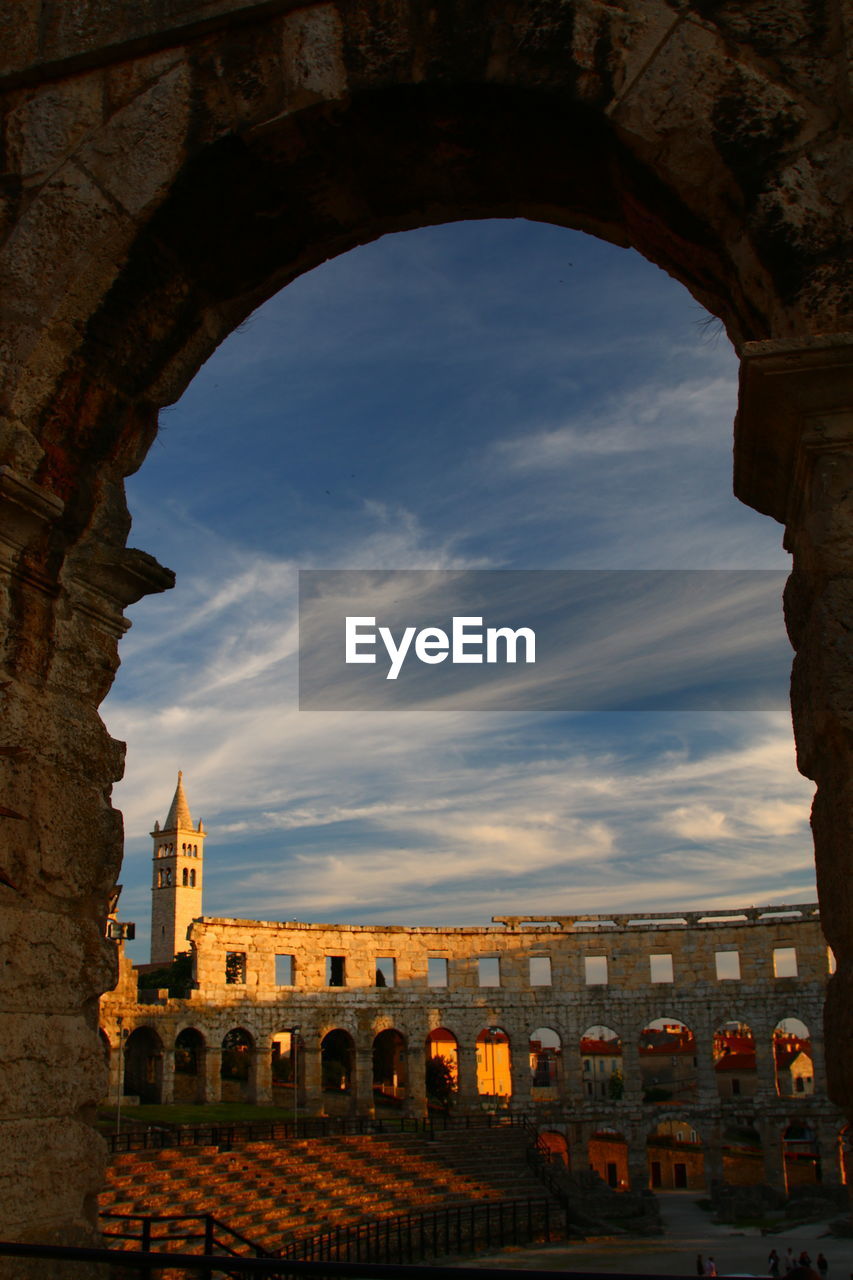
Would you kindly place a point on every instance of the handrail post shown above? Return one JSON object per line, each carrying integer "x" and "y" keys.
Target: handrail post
{"x": 208, "y": 1234}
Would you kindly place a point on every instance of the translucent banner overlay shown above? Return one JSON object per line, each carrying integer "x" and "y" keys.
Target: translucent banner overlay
{"x": 544, "y": 640}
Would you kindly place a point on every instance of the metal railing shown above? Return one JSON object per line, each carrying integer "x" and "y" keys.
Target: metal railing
{"x": 449, "y": 1230}
{"x": 227, "y": 1135}
{"x": 151, "y": 1232}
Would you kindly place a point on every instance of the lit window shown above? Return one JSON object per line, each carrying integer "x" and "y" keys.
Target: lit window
{"x": 785, "y": 962}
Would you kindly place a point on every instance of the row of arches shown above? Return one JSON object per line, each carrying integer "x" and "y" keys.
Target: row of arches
{"x": 667, "y": 1055}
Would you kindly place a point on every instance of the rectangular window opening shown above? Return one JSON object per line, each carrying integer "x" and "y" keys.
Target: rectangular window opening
{"x": 660, "y": 968}
{"x": 595, "y": 971}
{"x": 540, "y": 971}
{"x": 335, "y": 971}
{"x": 785, "y": 962}
{"x": 386, "y": 971}
{"x": 436, "y": 971}
{"x": 489, "y": 971}
{"x": 235, "y": 968}
{"x": 284, "y": 970}
{"x": 728, "y": 966}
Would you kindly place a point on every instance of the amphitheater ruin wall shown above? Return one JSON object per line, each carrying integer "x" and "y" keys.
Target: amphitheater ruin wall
{"x": 168, "y": 167}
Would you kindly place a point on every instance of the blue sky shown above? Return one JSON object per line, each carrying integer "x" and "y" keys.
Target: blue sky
{"x": 482, "y": 395}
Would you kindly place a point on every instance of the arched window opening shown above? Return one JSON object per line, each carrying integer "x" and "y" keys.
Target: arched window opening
{"x": 390, "y": 1070}
{"x": 143, "y": 1065}
{"x": 601, "y": 1063}
{"x": 189, "y": 1065}
{"x": 236, "y": 1070}
{"x": 442, "y": 1069}
{"x": 494, "y": 1067}
{"x": 743, "y": 1156}
{"x": 545, "y": 1049}
{"x": 668, "y": 1062}
{"x": 802, "y": 1156}
{"x": 734, "y": 1060}
{"x": 792, "y": 1059}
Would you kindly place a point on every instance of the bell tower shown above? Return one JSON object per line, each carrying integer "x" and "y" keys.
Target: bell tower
{"x": 177, "y": 879}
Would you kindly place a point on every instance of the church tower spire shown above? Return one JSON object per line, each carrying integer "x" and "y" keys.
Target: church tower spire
{"x": 176, "y": 883}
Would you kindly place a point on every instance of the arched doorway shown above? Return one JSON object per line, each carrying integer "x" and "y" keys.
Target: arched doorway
{"x": 390, "y": 1070}
{"x": 546, "y": 1062}
{"x": 801, "y": 1155}
{"x": 556, "y": 1145}
{"x": 494, "y": 1067}
{"x": 143, "y": 1065}
{"x": 675, "y": 1156}
{"x": 734, "y": 1060}
{"x": 442, "y": 1068}
{"x": 668, "y": 1063}
{"x": 337, "y": 1067}
{"x": 792, "y": 1059}
{"x": 236, "y": 1072}
{"x": 743, "y": 1156}
{"x": 190, "y": 1046}
{"x": 601, "y": 1063}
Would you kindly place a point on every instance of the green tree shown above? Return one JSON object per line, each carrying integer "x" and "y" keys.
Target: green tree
{"x": 440, "y": 1083}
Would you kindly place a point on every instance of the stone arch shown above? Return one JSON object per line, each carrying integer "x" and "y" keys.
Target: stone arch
{"x": 545, "y": 1050}
{"x": 190, "y": 1063}
{"x": 237, "y": 1063}
{"x": 494, "y": 1065}
{"x": 668, "y": 1062}
{"x": 556, "y": 1145}
{"x": 337, "y": 1070}
{"x": 801, "y": 1154}
{"x": 334, "y": 128}
{"x": 390, "y": 1068}
{"x": 733, "y": 1054}
{"x": 441, "y": 1048}
{"x": 675, "y": 1156}
{"x": 143, "y": 1065}
{"x": 792, "y": 1058}
{"x": 601, "y": 1063}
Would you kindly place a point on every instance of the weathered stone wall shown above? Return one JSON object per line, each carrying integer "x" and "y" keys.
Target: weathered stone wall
{"x": 167, "y": 167}
{"x": 627, "y": 1003}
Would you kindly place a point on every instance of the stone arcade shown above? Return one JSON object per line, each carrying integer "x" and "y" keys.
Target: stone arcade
{"x": 168, "y": 167}
{"x": 693, "y": 1037}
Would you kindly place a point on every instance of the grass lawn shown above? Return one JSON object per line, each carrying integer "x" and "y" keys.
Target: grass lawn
{"x": 195, "y": 1113}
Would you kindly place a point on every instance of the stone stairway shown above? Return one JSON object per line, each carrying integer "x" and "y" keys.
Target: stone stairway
{"x": 273, "y": 1192}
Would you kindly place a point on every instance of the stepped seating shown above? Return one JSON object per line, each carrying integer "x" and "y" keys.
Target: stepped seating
{"x": 273, "y": 1192}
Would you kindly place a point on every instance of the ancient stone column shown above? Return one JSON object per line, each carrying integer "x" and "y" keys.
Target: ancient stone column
{"x": 213, "y": 1073}
{"x": 363, "y": 1082}
{"x": 260, "y": 1076}
{"x": 310, "y": 1077}
{"x": 416, "y": 1103}
{"x": 467, "y": 1097}
{"x": 828, "y": 1151}
{"x": 794, "y": 461}
{"x": 772, "y": 1147}
{"x": 167, "y": 1080}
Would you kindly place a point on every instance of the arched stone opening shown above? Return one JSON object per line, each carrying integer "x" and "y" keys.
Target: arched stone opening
{"x": 668, "y": 1062}
{"x": 601, "y": 1063}
{"x": 143, "y": 1065}
{"x": 743, "y": 1156}
{"x": 494, "y": 1067}
{"x": 236, "y": 1070}
{"x": 545, "y": 1050}
{"x": 556, "y": 1145}
{"x": 727, "y": 197}
{"x": 190, "y": 1061}
{"x": 281, "y": 1066}
{"x": 792, "y": 1059}
{"x": 675, "y": 1156}
{"x": 845, "y": 1154}
{"x": 337, "y": 1071}
{"x": 734, "y": 1060}
{"x": 607, "y": 1152}
{"x": 442, "y": 1068}
{"x": 801, "y": 1155}
{"x": 390, "y": 1069}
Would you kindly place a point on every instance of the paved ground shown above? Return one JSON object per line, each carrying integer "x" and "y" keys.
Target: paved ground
{"x": 689, "y": 1230}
